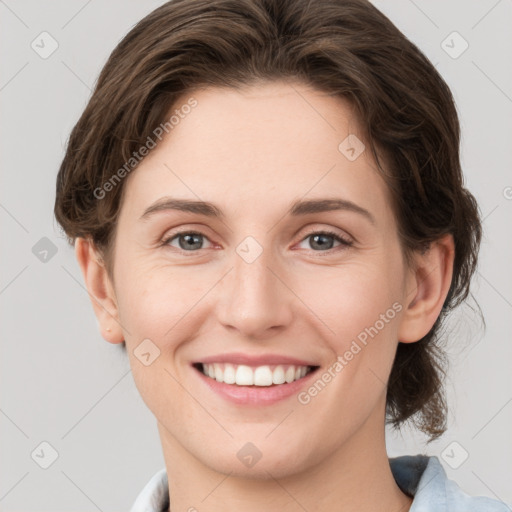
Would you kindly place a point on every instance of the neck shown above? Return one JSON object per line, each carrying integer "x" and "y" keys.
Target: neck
{"x": 354, "y": 477}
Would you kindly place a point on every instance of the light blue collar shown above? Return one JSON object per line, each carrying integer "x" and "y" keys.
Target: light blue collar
{"x": 419, "y": 476}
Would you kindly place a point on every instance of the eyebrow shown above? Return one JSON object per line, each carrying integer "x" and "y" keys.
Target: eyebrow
{"x": 298, "y": 208}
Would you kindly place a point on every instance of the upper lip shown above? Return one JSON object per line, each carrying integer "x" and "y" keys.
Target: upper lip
{"x": 255, "y": 360}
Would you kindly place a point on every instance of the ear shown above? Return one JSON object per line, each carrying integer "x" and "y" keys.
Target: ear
{"x": 100, "y": 290}
{"x": 426, "y": 289}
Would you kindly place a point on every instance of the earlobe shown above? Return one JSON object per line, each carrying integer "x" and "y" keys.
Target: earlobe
{"x": 100, "y": 289}
{"x": 427, "y": 288}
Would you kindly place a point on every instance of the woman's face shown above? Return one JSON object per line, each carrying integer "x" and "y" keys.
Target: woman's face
{"x": 253, "y": 280}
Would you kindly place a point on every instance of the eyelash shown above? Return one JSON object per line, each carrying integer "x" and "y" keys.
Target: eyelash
{"x": 345, "y": 243}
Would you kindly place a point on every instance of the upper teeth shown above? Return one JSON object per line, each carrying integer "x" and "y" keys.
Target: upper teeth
{"x": 243, "y": 375}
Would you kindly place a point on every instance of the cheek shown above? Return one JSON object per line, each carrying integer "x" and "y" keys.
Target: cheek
{"x": 156, "y": 305}
{"x": 153, "y": 297}
{"x": 361, "y": 305}
{"x": 364, "y": 318}
{"x": 351, "y": 298}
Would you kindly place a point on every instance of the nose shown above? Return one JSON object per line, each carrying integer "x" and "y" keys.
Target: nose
{"x": 256, "y": 300}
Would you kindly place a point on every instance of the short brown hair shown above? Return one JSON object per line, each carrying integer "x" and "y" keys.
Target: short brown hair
{"x": 344, "y": 47}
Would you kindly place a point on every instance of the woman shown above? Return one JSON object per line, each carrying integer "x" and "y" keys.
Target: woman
{"x": 267, "y": 205}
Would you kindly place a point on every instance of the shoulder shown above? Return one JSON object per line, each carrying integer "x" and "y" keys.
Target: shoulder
{"x": 425, "y": 479}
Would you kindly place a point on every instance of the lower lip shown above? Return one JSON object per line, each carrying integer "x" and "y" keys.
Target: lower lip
{"x": 256, "y": 395}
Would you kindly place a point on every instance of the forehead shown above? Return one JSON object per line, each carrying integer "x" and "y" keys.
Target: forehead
{"x": 265, "y": 144}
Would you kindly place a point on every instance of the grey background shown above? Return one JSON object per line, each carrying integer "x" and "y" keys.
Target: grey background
{"x": 61, "y": 383}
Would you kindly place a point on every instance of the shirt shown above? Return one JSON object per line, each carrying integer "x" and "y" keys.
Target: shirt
{"x": 419, "y": 476}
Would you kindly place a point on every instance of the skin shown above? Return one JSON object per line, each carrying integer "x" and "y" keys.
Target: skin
{"x": 253, "y": 152}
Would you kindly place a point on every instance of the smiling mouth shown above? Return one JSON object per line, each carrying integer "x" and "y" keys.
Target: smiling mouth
{"x": 244, "y": 375}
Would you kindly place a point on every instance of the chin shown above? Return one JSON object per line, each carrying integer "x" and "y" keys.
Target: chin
{"x": 276, "y": 466}
{"x": 260, "y": 460}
